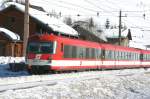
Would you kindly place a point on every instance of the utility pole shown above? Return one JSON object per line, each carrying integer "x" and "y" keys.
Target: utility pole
{"x": 26, "y": 27}
{"x": 120, "y": 27}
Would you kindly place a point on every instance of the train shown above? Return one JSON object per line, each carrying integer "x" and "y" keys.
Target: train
{"x": 54, "y": 53}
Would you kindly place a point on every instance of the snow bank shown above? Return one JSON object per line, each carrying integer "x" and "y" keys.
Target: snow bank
{"x": 6, "y": 60}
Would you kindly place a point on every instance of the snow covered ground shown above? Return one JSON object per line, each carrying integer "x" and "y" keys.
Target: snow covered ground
{"x": 116, "y": 84}
{"x": 107, "y": 86}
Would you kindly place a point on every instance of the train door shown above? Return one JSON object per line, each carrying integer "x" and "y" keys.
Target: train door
{"x": 103, "y": 54}
{"x": 102, "y": 58}
{"x": 141, "y": 60}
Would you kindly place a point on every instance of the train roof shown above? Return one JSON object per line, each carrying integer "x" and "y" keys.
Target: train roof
{"x": 83, "y": 43}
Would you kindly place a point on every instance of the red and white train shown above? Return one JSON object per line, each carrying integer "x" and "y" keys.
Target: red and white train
{"x": 49, "y": 52}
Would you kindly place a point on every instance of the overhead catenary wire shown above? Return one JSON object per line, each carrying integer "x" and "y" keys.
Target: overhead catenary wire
{"x": 69, "y": 6}
{"x": 100, "y": 9}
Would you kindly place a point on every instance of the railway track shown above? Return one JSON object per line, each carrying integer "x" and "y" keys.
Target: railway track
{"x": 56, "y": 78}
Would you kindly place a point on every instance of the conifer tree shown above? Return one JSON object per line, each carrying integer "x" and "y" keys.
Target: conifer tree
{"x": 107, "y": 24}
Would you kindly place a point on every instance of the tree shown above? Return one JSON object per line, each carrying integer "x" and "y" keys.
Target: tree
{"x": 107, "y": 24}
{"x": 91, "y": 23}
{"x": 68, "y": 21}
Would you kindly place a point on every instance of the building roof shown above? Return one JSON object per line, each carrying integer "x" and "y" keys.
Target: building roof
{"x": 9, "y": 34}
{"x": 43, "y": 17}
{"x": 87, "y": 35}
{"x": 83, "y": 29}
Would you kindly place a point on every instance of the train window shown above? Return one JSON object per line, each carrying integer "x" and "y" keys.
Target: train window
{"x": 46, "y": 47}
{"x": 106, "y": 54}
{"x": 112, "y": 55}
{"x": 41, "y": 47}
{"x": 132, "y": 56}
{"x": 148, "y": 57}
{"x": 116, "y": 55}
{"x": 141, "y": 56}
{"x": 129, "y": 56}
{"x": 122, "y": 56}
{"x": 67, "y": 51}
{"x": 138, "y": 56}
{"x": 135, "y": 56}
{"x": 84, "y": 52}
{"x": 125, "y": 55}
{"x": 93, "y": 53}
{"x": 87, "y": 53}
{"x": 98, "y": 53}
{"x": 145, "y": 57}
{"x": 79, "y": 54}
{"x": 33, "y": 47}
{"x": 109, "y": 54}
{"x": 74, "y": 52}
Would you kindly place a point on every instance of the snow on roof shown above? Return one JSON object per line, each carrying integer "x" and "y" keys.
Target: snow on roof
{"x": 138, "y": 39}
{"x": 55, "y": 24}
{"x": 10, "y": 34}
{"x": 114, "y": 33}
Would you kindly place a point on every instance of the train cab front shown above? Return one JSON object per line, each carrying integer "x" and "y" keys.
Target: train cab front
{"x": 39, "y": 56}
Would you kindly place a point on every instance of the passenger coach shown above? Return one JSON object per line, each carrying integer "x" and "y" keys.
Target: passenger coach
{"x": 56, "y": 53}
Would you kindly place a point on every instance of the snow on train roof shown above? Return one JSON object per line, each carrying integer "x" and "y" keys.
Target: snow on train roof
{"x": 10, "y": 34}
{"x": 55, "y": 24}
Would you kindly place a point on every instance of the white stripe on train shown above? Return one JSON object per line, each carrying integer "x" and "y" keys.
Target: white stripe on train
{"x": 84, "y": 63}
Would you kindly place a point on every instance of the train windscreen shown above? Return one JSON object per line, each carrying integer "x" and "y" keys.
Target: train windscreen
{"x": 41, "y": 47}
